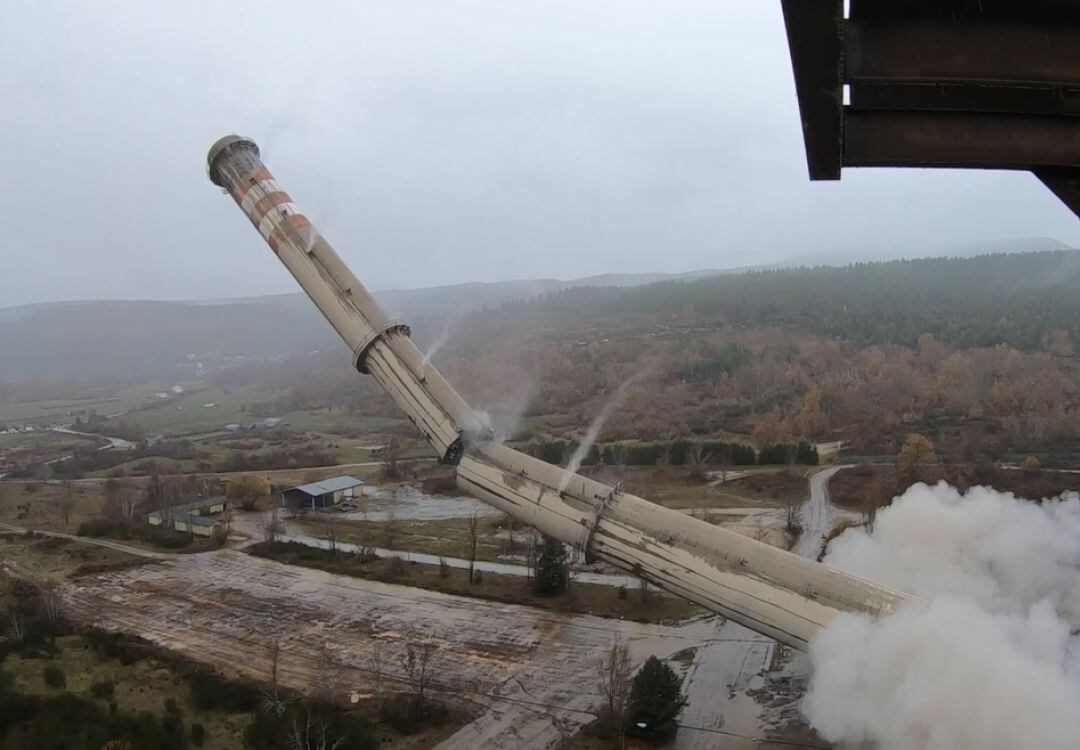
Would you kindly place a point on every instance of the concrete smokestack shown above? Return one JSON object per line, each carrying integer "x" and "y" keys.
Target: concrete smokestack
{"x": 380, "y": 346}
{"x": 771, "y": 591}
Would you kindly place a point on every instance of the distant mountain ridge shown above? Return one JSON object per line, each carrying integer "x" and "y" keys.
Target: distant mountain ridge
{"x": 143, "y": 341}
{"x": 425, "y": 301}
{"x": 147, "y": 339}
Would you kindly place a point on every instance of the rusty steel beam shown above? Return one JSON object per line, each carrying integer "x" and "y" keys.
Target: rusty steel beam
{"x": 939, "y": 139}
{"x": 769, "y": 590}
{"x": 941, "y": 50}
{"x": 963, "y": 11}
{"x": 1065, "y": 184}
{"x": 814, "y": 30}
{"x": 955, "y": 96}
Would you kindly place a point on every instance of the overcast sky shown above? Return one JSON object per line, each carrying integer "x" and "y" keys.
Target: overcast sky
{"x": 436, "y": 142}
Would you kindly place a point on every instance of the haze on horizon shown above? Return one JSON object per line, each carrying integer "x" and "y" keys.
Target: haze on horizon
{"x": 437, "y": 145}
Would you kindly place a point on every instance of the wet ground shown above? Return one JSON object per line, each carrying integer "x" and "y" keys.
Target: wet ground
{"x": 530, "y": 674}
{"x": 410, "y": 504}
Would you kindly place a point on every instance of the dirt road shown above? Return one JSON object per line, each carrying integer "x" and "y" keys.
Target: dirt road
{"x": 816, "y": 515}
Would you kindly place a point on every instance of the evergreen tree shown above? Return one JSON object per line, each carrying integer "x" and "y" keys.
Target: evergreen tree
{"x": 551, "y": 569}
{"x": 655, "y": 701}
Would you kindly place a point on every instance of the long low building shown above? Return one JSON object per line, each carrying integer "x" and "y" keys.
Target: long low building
{"x": 199, "y": 517}
{"x": 321, "y": 494}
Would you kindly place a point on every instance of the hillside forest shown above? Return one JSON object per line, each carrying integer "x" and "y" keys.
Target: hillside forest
{"x": 976, "y": 353}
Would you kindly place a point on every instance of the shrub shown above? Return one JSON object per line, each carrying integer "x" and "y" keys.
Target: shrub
{"x": 54, "y": 676}
{"x": 112, "y": 646}
{"x": 98, "y": 527}
{"x": 343, "y": 730}
{"x": 103, "y": 689}
{"x": 409, "y": 714}
{"x": 211, "y": 693}
{"x": 167, "y": 538}
{"x": 655, "y": 701}
{"x": 551, "y": 569}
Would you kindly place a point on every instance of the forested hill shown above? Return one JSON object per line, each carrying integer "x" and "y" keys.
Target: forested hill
{"x": 1017, "y": 299}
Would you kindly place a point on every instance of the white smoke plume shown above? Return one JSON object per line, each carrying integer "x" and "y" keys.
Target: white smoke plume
{"x": 593, "y": 432}
{"x": 987, "y": 661}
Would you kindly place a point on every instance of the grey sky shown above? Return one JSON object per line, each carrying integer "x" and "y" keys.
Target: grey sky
{"x": 436, "y": 142}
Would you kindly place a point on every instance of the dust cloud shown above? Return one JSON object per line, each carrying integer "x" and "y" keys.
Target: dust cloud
{"x": 987, "y": 659}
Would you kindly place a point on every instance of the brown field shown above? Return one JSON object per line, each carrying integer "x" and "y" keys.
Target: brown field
{"x": 42, "y": 506}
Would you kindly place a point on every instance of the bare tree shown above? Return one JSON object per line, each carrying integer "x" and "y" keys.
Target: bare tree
{"x": 697, "y": 461}
{"x": 474, "y": 534}
{"x": 792, "y": 504}
{"x": 418, "y": 668}
{"x": 614, "y": 682}
{"x": 128, "y": 500}
{"x": 721, "y": 460}
{"x": 377, "y": 655}
{"x": 248, "y": 490}
{"x": 273, "y": 702}
{"x": 164, "y": 490}
{"x": 16, "y": 631}
{"x": 271, "y": 526}
{"x": 330, "y": 531}
{"x": 66, "y": 502}
{"x": 390, "y": 531}
{"x": 331, "y": 675}
{"x": 391, "y": 468}
{"x": 51, "y": 603}
{"x": 531, "y": 558}
{"x": 312, "y": 731}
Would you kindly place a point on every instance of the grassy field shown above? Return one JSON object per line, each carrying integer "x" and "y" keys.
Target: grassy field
{"x": 26, "y": 448}
{"x": 187, "y": 413}
{"x": 55, "y": 410}
{"x": 582, "y": 598}
{"x": 449, "y": 538}
{"x": 47, "y": 558}
{"x": 44, "y": 506}
{"x": 145, "y": 685}
{"x": 672, "y": 487}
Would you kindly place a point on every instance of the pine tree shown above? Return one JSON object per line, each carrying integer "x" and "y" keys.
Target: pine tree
{"x": 551, "y": 569}
{"x": 655, "y": 701}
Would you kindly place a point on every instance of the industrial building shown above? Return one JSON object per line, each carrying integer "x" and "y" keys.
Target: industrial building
{"x": 322, "y": 494}
{"x": 201, "y": 518}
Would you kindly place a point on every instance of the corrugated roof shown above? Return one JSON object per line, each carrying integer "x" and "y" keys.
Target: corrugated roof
{"x": 333, "y": 484}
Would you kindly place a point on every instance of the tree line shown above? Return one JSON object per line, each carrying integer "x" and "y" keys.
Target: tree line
{"x": 679, "y": 452}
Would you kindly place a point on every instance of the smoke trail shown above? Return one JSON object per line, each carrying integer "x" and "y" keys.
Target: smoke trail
{"x": 593, "y": 432}
{"x": 439, "y": 342}
{"x": 988, "y": 661}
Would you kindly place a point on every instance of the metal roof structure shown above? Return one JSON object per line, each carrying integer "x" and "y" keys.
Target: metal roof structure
{"x": 326, "y": 486}
{"x": 988, "y": 84}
